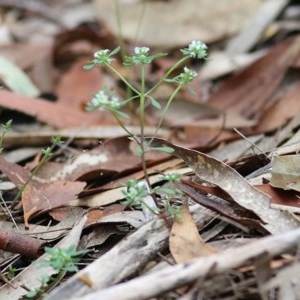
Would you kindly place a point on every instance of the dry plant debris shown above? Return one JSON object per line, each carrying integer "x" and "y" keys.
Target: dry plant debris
{"x": 218, "y": 211}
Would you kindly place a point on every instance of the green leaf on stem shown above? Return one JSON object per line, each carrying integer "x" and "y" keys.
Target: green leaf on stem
{"x": 155, "y": 103}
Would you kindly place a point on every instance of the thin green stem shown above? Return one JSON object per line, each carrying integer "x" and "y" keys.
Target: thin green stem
{"x": 140, "y": 19}
{"x": 119, "y": 25}
{"x": 122, "y": 78}
{"x": 2, "y": 138}
{"x": 150, "y": 208}
{"x": 165, "y": 110}
{"x": 142, "y": 124}
{"x": 176, "y": 65}
{"x": 142, "y": 101}
{"x": 120, "y": 123}
{"x": 34, "y": 172}
{"x": 62, "y": 273}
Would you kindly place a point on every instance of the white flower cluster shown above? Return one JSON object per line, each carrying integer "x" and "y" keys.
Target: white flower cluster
{"x": 196, "y": 49}
{"x": 102, "y": 101}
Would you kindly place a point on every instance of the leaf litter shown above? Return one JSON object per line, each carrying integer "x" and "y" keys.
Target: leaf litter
{"x": 83, "y": 179}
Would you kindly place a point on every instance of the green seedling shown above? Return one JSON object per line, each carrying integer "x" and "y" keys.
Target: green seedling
{"x": 105, "y": 100}
{"x": 47, "y": 153}
{"x": 62, "y": 260}
{"x": 5, "y": 129}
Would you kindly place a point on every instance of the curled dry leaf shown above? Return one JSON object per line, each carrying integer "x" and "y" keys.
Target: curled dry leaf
{"x": 285, "y": 172}
{"x": 218, "y": 173}
{"x": 230, "y": 210}
{"x": 281, "y": 199}
{"x": 185, "y": 243}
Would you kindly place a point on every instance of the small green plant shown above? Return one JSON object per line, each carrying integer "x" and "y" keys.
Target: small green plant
{"x": 63, "y": 260}
{"x": 5, "y": 129}
{"x": 104, "y": 99}
{"x": 40, "y": 291}
{"x": 47, "y": 153}
{"x": 136, "y": 194}
{"x": 11, "y": 272}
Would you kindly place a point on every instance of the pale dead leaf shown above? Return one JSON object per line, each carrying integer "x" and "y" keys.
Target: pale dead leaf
{"x": 185, "y": 243}
{"x": 286, "y": 173}
{"x": 15, "y": 79}
{"x": 218, "y": 173}
{"x": 186, "y": 20}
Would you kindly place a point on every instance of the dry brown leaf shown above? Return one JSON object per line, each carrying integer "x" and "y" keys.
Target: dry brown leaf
{"x": 287, "y": 107}
{"x": 109, "y": 159}
{"x": 93, "y": 216}
{"x": 54, "y": 114}
{"x": 230, "y": 210}
{"x": 77, "y": 86}
{"x": 185, "y": 242}
{"x": 250, "y": 92}
{"x": 39, "y": 197}
{"x": 281, "y": 199}
{"x": 16, "y": 173}
{"x": 221, "y": 64}
{"x": 99, "y": 235}
{"x": 218, "y": 173}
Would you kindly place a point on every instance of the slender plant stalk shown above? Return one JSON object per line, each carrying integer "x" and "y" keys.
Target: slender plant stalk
{"x": 167, "y": 74}
{"x": 102, "y": 100}
{"x": 119, "y": 25}
{"x": 33, "y": 173}
{"x": 170, "y": 100}
{"x": 123, "y": 79}
{"x": 142, "y": 123}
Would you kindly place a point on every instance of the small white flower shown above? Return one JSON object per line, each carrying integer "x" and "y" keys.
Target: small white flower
{"x": 103, "y": 57}
{"x": 141, "y": 50}
{"x": 197, "y": 45}
{"x": 190, "y": 73}
{"x": 196, "y": 49}
{"x": 101, "y": 53}
{"x": 101, "y": 101}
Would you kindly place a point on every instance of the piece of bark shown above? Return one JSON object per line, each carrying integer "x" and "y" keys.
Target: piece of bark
{"x": 20, "y": 243}
{"x": 173, "y": 277}
{"x": 123, "y": 260}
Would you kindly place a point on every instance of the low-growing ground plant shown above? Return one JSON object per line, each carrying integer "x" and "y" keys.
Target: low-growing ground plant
{"x": 46, "y": 154}
{"x": 135, "y": 192}
{"x": 62, "y": 260}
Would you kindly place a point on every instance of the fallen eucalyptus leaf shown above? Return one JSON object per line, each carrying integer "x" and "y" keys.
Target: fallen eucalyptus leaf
{"x": 286, "y": 172}
{"x": 218, "y": 173}
{"x": 16, "y": 80}
{"x": 185, "y": 242}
